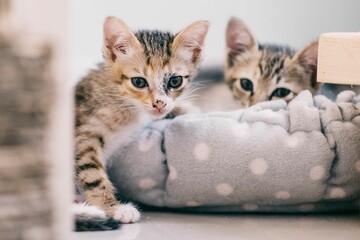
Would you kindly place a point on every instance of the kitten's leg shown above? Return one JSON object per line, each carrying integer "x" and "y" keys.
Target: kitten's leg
{"x": 92, "y": 177}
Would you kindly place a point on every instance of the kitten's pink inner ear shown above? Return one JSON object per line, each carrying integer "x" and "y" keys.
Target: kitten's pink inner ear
{"x": 192, "y": 39}
{"x": 308, "y": 59}
{"x": 309, "y": 54}
{"x": 117, "y": 37}
{"x": 238, "y": 37}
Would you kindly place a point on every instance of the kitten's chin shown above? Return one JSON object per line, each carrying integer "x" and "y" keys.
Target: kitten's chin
{"x": 157, "y": 114}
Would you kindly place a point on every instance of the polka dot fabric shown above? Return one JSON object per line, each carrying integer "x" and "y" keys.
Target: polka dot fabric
{"x": 273, "y": 157}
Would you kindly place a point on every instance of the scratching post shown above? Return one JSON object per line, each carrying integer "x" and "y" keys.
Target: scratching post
{"x": 35, "y": 122}
{"x": 26, "y": 98}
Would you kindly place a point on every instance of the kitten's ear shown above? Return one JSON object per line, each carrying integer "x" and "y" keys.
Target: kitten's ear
{"x": 307, "y": 58}
{"x": 190, "y": 41}
{"x": 119, "y": 40}
{"x": 239, "y": 40}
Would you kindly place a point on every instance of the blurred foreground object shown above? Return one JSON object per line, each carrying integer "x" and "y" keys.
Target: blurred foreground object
{"x": 4, "y": 11}
{"x": 35, "y": 122}
{"x": 24, "y": 199}
{"x": 339, "y": 58}
{"x": 26, "y": 92}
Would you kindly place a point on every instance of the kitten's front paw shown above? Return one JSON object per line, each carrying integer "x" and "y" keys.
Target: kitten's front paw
{"x": 127, "y": 213}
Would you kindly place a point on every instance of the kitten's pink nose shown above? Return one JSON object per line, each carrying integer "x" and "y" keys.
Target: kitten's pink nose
{"x": 159, "y": 105}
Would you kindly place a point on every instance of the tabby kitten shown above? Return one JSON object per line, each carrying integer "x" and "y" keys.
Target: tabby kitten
{"x": 143, "y": 75}
{"x": 257, "y": 73}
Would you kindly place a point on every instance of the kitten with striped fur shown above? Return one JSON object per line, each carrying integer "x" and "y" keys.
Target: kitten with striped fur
{"x": 257, "y": 72}
{"x": 143, "y": 76}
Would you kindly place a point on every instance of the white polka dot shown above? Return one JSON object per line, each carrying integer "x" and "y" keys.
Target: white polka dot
{"x": 239, "y": 130}
{"x": 146, "y": 183}
{"x": 258, "y": 166}
{"x": 145, "y": 144}
{"x": 293, "y": 141}
{"x": 282, "y": 195}
{"x": 250, "y": 206}
{"x": 224, "y": 189}
{"x": 172, "y": 173}
{"x": 201, "y": 151}
{"x": 192, "y": 204}
{"x": 337, "y": 192}
{"x": 317, "y": 172}
{"x": 306, "y": 207}
{"x": 357, "y": 165}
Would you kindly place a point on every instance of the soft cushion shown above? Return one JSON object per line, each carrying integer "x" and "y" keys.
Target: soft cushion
{"x": 271, "y": 157}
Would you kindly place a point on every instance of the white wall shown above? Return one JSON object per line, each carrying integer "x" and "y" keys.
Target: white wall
{"x": 273, "y": 21}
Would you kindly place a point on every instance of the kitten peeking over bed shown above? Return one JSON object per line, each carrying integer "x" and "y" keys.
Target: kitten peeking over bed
{"x": 257, "y": 72}
{"x": 143, "y": 76}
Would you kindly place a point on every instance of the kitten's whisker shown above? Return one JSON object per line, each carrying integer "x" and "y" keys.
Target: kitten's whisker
{"x": 188, "y": 94}
{"x": 188, "y": 99}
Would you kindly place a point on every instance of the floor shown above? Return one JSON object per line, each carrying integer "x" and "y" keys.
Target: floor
{"x": 175, "y": 226}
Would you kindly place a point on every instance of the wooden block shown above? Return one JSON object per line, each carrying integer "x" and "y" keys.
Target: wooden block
{"x": 339, "y": 58}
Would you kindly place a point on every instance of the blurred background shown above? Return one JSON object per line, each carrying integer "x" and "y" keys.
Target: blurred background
{"x": 294, "y": 23}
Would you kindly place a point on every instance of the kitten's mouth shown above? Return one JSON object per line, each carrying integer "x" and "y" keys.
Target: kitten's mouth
{"x": 158, "y": 113}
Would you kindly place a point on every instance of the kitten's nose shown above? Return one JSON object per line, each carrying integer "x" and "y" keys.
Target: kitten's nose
{"x": 159, "y": 105}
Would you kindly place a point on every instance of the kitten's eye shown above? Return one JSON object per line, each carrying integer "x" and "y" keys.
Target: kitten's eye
{"x": 139, "y": 82}
{"x": 175, "y": 82}
{"x": 280, "y": 92}
{"x": 246, "y": 84}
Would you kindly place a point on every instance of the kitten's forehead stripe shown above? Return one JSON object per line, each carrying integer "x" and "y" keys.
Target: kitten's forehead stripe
{"x": 260, "y": 68}
{"x": 279, "y": 67}
{"x": 277, "y": 48}
{"x": 156, "y": 45}
{"x": 272, "y": 59}
{"x": 124, "y": 77}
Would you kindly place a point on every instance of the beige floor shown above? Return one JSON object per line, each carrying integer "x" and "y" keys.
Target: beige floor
{"x": 172, "y": 226}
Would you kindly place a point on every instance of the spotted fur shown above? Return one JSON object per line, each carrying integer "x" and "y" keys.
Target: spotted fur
{"x": 274, "y": 71}
{"x": 110, "y": 108}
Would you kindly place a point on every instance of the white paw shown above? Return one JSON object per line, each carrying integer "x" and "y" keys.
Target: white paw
{"x": 127, "y": 213}
{"x": 85, "y": 210}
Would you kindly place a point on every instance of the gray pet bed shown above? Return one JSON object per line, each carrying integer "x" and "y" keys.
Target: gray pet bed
{"x": 272, "y": 157}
